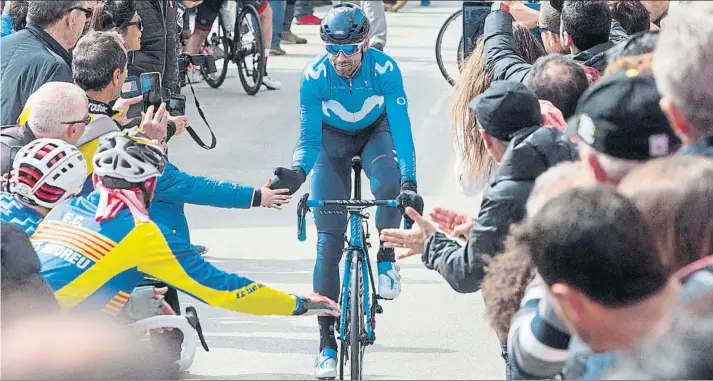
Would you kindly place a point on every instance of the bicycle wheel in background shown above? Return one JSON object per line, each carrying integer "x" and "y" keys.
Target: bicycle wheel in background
{"x": 218, "y": 45}
{"x": 450, "y": 57}
{"x": 250, "y": 50}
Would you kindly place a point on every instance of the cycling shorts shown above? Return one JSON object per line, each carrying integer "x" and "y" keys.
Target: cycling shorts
{"x": 208, "y": 11}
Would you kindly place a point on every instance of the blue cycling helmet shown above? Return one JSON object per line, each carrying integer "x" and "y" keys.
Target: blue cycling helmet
{"x": 345, "y": 23}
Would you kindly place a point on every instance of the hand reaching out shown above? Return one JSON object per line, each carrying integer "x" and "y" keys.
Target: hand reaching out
{"x": 273, "y": 198}
{"x": 451, "y": 222}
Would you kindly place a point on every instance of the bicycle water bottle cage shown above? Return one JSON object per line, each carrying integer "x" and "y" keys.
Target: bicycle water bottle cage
{"x": 192, "y": 317}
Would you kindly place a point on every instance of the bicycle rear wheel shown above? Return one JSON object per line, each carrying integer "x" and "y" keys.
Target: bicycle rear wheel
{"x": 358, "y": 326}
{"x": 439, "y": 48}
{"x": 218, "y": 40}
{"x": 250, "y": 50}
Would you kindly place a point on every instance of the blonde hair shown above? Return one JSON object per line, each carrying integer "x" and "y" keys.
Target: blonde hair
{"x": 477, "y": 164}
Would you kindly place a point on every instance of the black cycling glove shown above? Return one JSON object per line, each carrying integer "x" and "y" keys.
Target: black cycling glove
{"x": 290, "y": 179}
{"x": 409, "y": 197}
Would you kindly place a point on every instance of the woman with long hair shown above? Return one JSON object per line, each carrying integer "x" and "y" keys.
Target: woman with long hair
{"x": 474, "y": 166}
{"x": 119, "y": 16}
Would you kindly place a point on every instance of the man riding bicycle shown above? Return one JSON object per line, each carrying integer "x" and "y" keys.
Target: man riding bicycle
{"x": 352, "y": 103}
{"x": 95, "y": 249}
{"x": 206, "y": 14}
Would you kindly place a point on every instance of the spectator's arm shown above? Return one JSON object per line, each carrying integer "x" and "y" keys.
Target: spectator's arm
{"x": 538, "y": 339}
{"x": 503, "y": 62}
{"x": 462, "y": 267}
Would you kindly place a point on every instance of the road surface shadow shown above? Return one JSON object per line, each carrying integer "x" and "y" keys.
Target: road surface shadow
{"x": 308, "y": 347}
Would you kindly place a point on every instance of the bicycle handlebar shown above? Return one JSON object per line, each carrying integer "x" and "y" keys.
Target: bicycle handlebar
{"x": 304, "y": 205}
{"x": 189, "y": 326}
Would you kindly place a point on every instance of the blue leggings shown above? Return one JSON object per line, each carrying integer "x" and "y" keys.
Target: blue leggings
{"x": 332, "y": 180}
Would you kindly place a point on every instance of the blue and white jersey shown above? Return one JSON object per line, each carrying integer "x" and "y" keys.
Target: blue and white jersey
{"x": 354, "y": 104}
{"x": 12, "y": 211}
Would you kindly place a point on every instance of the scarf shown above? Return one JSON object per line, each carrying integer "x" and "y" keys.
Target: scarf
{"x": 111, "y": 201}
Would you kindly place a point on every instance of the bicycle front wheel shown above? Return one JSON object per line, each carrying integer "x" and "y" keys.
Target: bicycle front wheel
{"x": 250, "y": 49}
{"x": 439, "y": 48}
{"x": 357, "y": 327}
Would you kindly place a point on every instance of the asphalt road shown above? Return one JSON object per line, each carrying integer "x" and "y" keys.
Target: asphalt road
{"x": 430, "y": 331}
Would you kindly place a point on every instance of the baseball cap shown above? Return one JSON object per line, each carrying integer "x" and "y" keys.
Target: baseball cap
{"x": 505, "y": 108}
{"x": 620, "y": 116}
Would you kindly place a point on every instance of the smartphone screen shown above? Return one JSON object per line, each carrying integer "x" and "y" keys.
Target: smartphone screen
{"x": 177, "y": 105}
{"x": 129, "y": 87}
{"x": 474, "y": 14}
{"x": 151, "y": 89}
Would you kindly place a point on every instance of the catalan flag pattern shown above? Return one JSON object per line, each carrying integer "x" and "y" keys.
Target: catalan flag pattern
{"x": 88, "y": 243}
{"x": 116, "y": 303}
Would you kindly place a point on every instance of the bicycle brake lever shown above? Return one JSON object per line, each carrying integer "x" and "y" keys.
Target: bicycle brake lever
{"x": 192, "y": 317}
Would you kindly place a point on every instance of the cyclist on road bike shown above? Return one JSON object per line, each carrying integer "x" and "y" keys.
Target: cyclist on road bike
{"x": 95, "y": 249}
{"x": 206, "y": 14}
{"x": 44, "y": 174}
{"x": 352, "y": 102}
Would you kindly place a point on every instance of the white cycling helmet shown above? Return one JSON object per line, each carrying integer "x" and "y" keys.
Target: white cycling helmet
{"x": 129, "y": 156}
{"x": 49, "y": 171}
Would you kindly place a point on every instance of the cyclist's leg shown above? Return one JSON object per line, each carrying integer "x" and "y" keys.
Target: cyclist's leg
{"x": 206, "y": 14}
{"x": 331, "y": 179}
{"x": 383, "y": 171}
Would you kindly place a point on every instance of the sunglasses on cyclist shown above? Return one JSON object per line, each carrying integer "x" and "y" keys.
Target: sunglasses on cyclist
{"x": 348, "y": 50}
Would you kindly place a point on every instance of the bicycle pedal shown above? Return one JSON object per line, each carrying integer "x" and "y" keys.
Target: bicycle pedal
{"x": 379, "y": 309}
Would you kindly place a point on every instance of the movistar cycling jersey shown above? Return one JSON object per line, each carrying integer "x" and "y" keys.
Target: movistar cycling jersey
{"x": 12, "y": 211}
{"x": 354, "y": 104}
{"x": 93, "y": 266}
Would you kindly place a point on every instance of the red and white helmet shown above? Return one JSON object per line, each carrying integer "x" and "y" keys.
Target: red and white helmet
{"x": 48, "y": 171}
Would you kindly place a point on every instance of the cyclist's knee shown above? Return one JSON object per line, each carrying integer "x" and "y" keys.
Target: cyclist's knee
{"x": 385, "y": 177}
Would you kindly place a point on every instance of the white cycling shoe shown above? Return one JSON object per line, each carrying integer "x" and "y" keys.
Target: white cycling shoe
{"x": 271, "y": 83}
{"x": 326, "y": 364}
{"x": 389, "y": 280}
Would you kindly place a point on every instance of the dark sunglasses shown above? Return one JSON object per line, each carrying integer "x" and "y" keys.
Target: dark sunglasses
{"x": 87, "y": 11}
{"x": 139, "y": 24}
{"x": 86, "y": 120}
{"x": 348, "y": 50}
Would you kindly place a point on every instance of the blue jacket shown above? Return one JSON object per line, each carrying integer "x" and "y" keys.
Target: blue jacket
{"x": 5, "y": 25}
{"x": 703, "y": 147}
{"x": 353, "y": 104}
{"x": 176, "y": 188}
{"x": 12, "y": 211}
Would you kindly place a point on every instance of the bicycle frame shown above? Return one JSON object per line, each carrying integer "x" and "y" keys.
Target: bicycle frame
{"x": 357, "y": 254}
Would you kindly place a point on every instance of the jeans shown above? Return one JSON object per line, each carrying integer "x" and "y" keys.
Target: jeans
{"x": 332, "y": 180}
{"x": 303, "y": 8}
{"x": 278, "y": 19}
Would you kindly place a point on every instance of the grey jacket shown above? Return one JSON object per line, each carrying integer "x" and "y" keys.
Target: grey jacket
{"x": 29, "y": 59}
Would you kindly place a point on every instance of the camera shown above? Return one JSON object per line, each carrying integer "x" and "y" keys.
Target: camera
{"x": 148, "y": 86}
{"x": 204, "y": 61}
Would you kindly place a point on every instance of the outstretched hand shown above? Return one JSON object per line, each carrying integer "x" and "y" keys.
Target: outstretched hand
{"x": 273, "y": 198}
{"x": 413, "y": 239}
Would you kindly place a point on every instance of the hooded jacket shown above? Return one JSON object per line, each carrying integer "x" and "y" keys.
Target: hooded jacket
{"x": 529, "y": 154}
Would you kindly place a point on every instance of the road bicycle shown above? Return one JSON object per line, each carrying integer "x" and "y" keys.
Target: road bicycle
{"x": 238, "y": 40}
{"x": 359, "y": 301}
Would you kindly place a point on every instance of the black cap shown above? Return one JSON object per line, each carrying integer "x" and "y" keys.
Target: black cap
{"x": 505, "y": 108}
{"x": 620, "y": 116}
